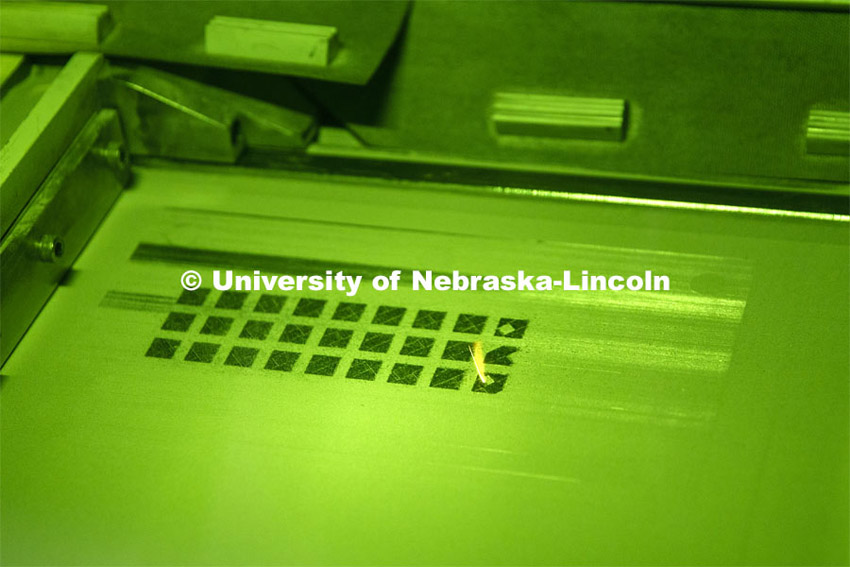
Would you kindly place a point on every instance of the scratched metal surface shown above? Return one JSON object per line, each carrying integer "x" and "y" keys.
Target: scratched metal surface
{"x": 708, "y": 424}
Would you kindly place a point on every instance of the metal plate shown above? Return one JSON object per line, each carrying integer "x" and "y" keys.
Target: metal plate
{"x": 55, "y": 226}
{"x": 707, "y": 425}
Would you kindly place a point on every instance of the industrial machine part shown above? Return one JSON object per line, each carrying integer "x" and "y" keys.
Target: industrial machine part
{"x": 198, "y": 367}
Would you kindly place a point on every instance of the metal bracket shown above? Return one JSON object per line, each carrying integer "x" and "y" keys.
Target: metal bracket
{"x": 60, "y": 218}
{"x": 165, "y": 115}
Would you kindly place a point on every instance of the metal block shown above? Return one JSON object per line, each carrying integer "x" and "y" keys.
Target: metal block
{"x": 828, "y": 132}
{"x": 548, "y": 116}
{"x": 53, "y": 26}
{"x": 265, "y": 40}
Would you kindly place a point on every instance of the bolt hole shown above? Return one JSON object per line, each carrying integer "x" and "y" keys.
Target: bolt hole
{"x": 58, "y": 248}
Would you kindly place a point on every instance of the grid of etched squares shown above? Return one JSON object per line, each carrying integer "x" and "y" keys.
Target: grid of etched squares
{"x": 285, "y": 359}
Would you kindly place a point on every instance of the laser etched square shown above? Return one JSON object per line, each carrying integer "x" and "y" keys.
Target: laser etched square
{"x": 495, "y": 384}
{"x": 336, "y": 338}
{"x": 472, "y": 324}
{"x": 457, "y": 350}
{"x": 511, "y": 328}
{"x": 309, "y": 307}
{"x": 231, "y": 299}
{"x": 349, "y": 311}
{"x": 178, "y": 321}
{"x": 162, "y": 348}
{"x": 500, "y": 356}
{"x": 282, "y": 360}
{"x": 362, "y": 369}
{"x": 406, "y": 374}
{"x": 431, "y": 320}
{"x": 297, "y": 334}
{"x": 376, "y": 342}
{"x": 202, "y": 352}
{"x": 447, "y": 378}
{"x": 270, "y": 303}
{"x": 195, "y": 297}
{"x": 257, "y": 330}
{"x": 322, "y": 365}
{"x": 218, "y": 326}
{"x": 417, "y": 346}
{"x": 386, "y": 315}
{"x": 241, "y": 356}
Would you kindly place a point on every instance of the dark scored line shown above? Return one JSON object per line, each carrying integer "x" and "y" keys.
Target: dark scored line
{"x": 147, "y": 252}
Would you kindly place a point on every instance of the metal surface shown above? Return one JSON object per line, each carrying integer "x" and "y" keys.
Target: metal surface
{"x": 705, "y": 424}
{"x": 44, "y": 135}
{"x": 21, "y": 91}
{"x": 170, "y": 116}
{"x": 271, "y": 41}
{"x": 829, "y": 5}
{"x": 716, "y": 94}
{"x": 174, "y": 31}
{"x": 10, "y": 63}
{"x": 52, "y": 230}
{"x": 828, "y": 132}
{"x": 61, "y": 26}
{"x": 778, "y": 197}
{"x": 547, "y": 116}
{"x": 217, "y": 428}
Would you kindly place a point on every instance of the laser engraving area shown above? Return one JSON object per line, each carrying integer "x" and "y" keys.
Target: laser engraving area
{"x": 299, "y": 428}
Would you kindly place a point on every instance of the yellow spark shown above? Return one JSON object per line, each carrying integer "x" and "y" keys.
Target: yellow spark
{"x": 477, "y": 352}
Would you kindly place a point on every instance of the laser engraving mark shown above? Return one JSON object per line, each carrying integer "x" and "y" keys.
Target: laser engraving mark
{"x": 257, "y": 330}
{"x": 457, "y": 350}
{"x": 494, "y": 385}
{"x": 472, "y": 324}
{"x": 202, "y": 352}
{"x": 432, "y": 320}
{"x": 376, "y": 342}
{"x": 282, "y": 360}
{"x": 386, "y": 315}
{"x": 349, "y": 311}
{"x": 336, "y": 338}
{"x": 511, "y": 328}
{"x": 241, "y": 356}
{"x": 177, "y": 321}
{"x": 231, "y": 299}
{"x": 270, "y": 303}
{"x": 405, "y": 374}
{"x": 297, "y": 334}
{"x": 501, "y": 356}
{"x": 417, "y": 346}
{"x": 447, "y": 378}
{"x": 442, "y": 352}
{"x": 217, "y": 326}
{"x": 196, "y": 297}
{"x": 162, "y": 348}
{"x": 362, "y": 369}
{"x": 309, "y": 307}
{"x": 322, "y": 365}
